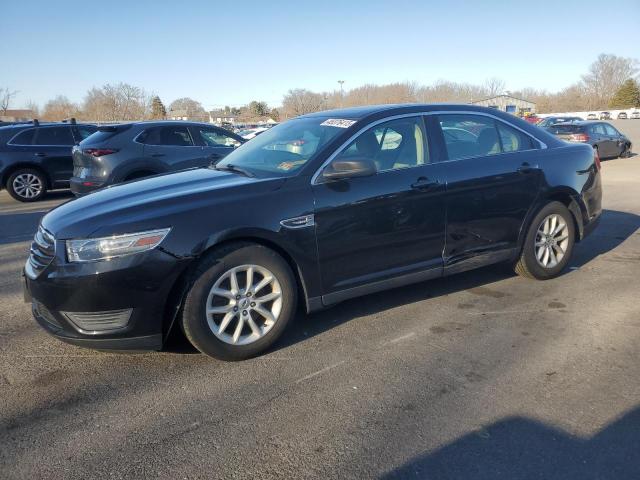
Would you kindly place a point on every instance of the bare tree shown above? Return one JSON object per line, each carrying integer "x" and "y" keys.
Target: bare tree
{"x": 494, "y": 86}
{"x": 59, "y": 108}
{"x": 116, "y": 103}
{"x": 300, "y": 101}
{"x": 605, "y": 77}
{"x": 33, "y": 106}
{"x": 6, "y": 96}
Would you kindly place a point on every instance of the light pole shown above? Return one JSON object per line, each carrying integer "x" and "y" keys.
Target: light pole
{"x": 341, "y": 82}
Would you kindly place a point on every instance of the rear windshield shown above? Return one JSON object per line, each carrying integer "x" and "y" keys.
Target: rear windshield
{"x": 105, "y": 133}
{"x": 568, "y": 129}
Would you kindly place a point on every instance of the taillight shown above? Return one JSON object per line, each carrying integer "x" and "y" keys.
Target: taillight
{"x": 579, "y": 137}
{"x": 596, "y": 159}
{"x": 98, "y": 152}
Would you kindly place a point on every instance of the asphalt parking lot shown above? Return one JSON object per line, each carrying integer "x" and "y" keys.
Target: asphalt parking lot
{"x": 479, "y": 375}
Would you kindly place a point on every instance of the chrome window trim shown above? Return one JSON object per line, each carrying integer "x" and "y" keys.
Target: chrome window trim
{"x": 39, "y": 145}
{"x": 423, "y": 114}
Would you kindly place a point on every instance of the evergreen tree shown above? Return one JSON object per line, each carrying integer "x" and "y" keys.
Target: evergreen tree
{"x": 628, "y": 95}
{"x": 158, "y": 112}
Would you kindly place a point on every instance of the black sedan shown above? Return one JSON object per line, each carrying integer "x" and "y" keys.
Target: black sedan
{"x": 602, "y": 136}
{"x": 319, "y": 209}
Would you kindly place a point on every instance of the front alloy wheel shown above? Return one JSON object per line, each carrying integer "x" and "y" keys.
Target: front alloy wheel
{"x": 244, "y": 304}
{"x": 240, "y": 301}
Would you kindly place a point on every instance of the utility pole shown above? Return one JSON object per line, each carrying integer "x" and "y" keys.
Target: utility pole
{"x": 341, "y": 82}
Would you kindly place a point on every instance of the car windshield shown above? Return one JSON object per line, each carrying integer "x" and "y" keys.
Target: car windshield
{"x": 282, "y": 150}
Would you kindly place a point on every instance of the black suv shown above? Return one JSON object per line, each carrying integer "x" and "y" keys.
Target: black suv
{"x": 119, "y": 153}
{"x": 36, "y": 157}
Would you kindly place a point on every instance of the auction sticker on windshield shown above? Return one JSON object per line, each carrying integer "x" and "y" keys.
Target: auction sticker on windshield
{"x": 338, "y": 122}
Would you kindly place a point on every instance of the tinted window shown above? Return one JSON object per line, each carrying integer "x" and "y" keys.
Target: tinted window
{"x": 560, "y": 129}
{"x": 174, "y": 135}
{"x": 53, "y": 136}
{"x": 85, "y": 131}
{"x": 212, "y": 137}
{"x": 513, "y": 140}
{"x": 23, "y": 138}
{"x": 391, "y": 145}
{"x": 598, "y": 129}
{"x": 469, "y": 136}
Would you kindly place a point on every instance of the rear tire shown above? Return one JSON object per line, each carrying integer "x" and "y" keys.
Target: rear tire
{"x": 549, "y": 243}
{"x": 27, "y": 185}
{"x": 225, "y": 313}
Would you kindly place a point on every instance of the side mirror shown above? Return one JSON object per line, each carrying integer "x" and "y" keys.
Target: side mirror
{"x": 350, "y": 168}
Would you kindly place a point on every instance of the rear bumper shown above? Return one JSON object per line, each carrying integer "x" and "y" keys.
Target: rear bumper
{"x": 82, "y": 186}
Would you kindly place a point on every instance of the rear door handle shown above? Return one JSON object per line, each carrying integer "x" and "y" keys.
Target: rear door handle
{"x": 40, "y": 154}
{"x": 423, "y": 183}
{"x": 525, "y": 168}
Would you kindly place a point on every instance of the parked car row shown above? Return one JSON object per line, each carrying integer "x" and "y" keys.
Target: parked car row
{"x": 322, "y": 208}
{"x": 36, "y": 157}
{"x": 607, "y": 141}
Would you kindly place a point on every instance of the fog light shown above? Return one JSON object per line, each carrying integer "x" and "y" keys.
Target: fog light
{"x": 93, "y": 323}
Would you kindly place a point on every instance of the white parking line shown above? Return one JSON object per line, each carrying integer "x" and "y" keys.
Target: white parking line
{"x": 323, "y": 370}
{"x": 399, "y": 339}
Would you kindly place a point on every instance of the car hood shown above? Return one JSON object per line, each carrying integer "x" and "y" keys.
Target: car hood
{"x": 154, "y": 202}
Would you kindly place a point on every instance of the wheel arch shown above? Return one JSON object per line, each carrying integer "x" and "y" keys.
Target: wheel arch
{"x": 17, "y": 166}
{"x": 180, "y": 288}
{"x": 565, "y": 195}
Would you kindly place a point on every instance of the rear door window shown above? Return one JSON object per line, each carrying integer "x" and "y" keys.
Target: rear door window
{"x": 54, "y": 136}
{"x": 173, "y": 135}
{"x": 469, "y": 135}
{"x": 598, "y": 129}
{"x": 513, "y": 140}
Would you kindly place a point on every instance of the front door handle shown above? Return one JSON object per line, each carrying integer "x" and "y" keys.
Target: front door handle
{"x": 157, "y": 155}
{"x": 40, "y": 154}
{"x": 423, "y": 183}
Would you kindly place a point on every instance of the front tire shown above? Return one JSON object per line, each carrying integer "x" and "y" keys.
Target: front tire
{"x": 240, "y": 302}
{"x": 549, "y": 243}
{"x": 27, "y": 185}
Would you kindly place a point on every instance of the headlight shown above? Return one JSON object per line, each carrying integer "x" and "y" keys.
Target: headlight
{"x": 94, "y": 249}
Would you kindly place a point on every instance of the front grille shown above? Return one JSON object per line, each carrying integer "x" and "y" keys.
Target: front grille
{"x": 43, "y": 249}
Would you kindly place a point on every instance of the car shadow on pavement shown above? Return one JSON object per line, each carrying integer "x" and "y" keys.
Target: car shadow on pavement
{"x": 520, "y": 448}
{"x": 615, "y": 227}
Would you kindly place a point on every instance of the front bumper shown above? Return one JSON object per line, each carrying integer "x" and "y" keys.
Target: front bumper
{"x": 142, "y": 283}
{"x": 82, "y": 186}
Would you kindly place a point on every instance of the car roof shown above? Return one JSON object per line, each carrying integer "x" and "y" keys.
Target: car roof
{"x": 25, "y": 125}
{"x": 359, "y": 113}
{"x": 580, "y": 123}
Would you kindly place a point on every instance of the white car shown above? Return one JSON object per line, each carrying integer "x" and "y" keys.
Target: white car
{"x": 635, "y": 115}
{"x": 250, "y": 133}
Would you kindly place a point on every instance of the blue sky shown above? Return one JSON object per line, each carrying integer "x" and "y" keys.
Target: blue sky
{"x": 232, "y": 52}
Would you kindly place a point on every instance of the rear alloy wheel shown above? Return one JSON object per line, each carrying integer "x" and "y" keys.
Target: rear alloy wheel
{"x": 27, "y": 185}
{"x": 549, "y": 243}
{"x": 241, "y": 300}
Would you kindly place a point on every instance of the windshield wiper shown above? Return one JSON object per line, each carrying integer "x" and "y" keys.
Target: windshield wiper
{"x": 229, "y": 167}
